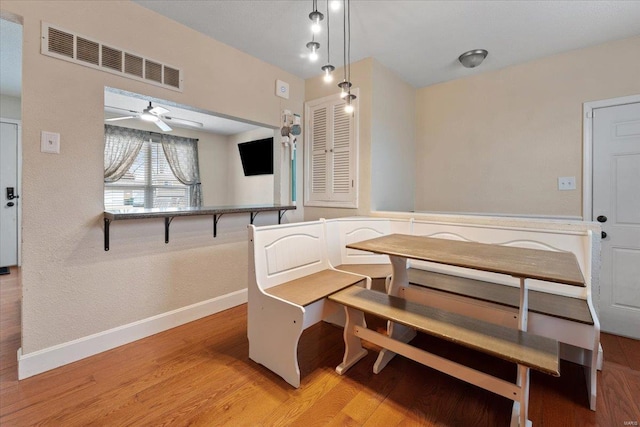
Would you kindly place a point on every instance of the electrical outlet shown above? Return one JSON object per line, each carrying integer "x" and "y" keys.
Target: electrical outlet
{"x": 566, "y": 183}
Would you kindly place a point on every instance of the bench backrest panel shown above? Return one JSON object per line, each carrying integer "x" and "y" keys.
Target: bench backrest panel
{"x": 551, "y": 240}
{"x": 343, "y": 231}
{"x": 287, "y": 252}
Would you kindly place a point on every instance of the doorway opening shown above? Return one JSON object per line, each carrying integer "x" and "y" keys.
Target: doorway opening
{"x": 10, "y": 190}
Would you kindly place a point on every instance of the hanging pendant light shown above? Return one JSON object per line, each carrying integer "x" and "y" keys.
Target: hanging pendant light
{"x": 315, "y": 17}
{"x": 345, "y": 85}
{"x": 328, "y": 77}
{"x": 349, "y": 107}
{"x": 313, "y": 46}
{"x": 328, "y": 69}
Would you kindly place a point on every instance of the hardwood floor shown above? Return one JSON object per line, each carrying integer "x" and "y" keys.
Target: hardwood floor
{"x": 200, "y": 374}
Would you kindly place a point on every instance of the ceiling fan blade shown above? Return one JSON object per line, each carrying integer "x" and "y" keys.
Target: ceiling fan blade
{"x": 115, "y": 119}
{"x": 183, "y": 121}
{"x": 162, "y": 125}
{"x": 158, "y": 110}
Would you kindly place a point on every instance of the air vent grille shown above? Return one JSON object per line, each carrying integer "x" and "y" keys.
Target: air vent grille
{"x": 88, "y": 51}
{"x": 153, "y": 71}
{"x": 66, "y": 45}
{"x": 171, "y": 76}
{"x": 111, "y": 58}
{"x": 60, "y": 42}
{"x": 133, "y": 64}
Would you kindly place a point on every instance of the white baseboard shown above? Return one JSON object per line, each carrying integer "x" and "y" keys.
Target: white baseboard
{"x": 72, "y": 351}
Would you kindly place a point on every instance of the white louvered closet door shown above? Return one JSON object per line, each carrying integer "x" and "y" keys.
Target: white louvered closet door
{"x": 319, "y": 154}
{"x": 341, "y": 159}
{"x": 331, "y": 154}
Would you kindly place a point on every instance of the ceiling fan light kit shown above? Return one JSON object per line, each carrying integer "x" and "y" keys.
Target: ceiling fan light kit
{"x": 148, "y": 117}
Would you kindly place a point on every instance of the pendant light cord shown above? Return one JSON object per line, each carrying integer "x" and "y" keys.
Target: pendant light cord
{"x": 349, "y": 44}
{"x": 344, "y": 37}
{"x": 328, "y": 38}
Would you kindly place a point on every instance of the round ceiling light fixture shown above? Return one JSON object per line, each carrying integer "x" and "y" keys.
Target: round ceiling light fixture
{"x": 473, "y": 58}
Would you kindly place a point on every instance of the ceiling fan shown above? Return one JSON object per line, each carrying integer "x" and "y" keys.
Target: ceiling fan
{"x": 155, "y": 115}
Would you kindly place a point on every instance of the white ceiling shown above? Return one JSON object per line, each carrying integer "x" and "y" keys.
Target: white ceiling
{"x": 419, "y": 40}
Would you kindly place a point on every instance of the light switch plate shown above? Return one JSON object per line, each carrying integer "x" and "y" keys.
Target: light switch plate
{"x": 566, "y": 183}
{"x": 282, "y": 89}
{"x": 50, "y": 142}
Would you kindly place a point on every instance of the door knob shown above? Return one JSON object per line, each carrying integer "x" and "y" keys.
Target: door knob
{"x": 603, "y": 234}
{"x": 602, "y": 218}
{"x": 10, "y": 204}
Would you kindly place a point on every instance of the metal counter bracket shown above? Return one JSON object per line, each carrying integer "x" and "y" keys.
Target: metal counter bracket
{"x": 253, "y": 216}
{"x": 107, "y": 222}
{"x": 167, "y": 223}
{"x": 216, "y": 218}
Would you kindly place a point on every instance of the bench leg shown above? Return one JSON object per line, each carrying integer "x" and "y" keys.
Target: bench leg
{"x": 520, "y": 410}
{"x": 353, "y": 350}
{"x": 600, "y": 357}
{"x": 398, "y": 332}
{"x": 523, "y": 310}
{"x": 591, "y": 374}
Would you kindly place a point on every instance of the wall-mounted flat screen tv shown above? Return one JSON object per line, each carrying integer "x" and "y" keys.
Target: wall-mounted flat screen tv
{"x": 257, "y": 157}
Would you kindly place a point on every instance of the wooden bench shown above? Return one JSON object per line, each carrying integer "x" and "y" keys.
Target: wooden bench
{"x": 562, "y": 307}
{"x": 289, "y": 280}
{"x": 561, "y": 312}
{"x": 525, "y": 349}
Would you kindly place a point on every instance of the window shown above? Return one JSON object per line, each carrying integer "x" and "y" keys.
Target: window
{"x": 331, "y": 154}
{"x": 148, "y": 183}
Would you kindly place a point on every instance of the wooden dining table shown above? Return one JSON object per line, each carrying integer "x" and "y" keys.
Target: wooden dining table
{"x": 522, "y": 263}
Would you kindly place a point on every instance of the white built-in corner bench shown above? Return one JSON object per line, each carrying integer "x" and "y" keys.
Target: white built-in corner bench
{"x": 296, "y": 270}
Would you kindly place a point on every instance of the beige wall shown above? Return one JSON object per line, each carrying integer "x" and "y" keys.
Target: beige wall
{"x": 392, "y": 141}
{"x": 222, "y": 176}
{"x": 10, "y": 107}
{"x": 71, "y": 287}
{"x": 497, "y": 142}
{"x": 212, "y": 156}
{"x": 248, "y": 190}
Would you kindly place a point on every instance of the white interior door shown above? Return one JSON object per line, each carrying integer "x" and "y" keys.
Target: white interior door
{"x": 616, "y": 204}
{"x": 9, "y": 206}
